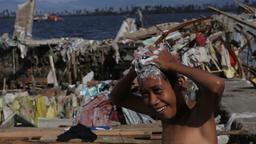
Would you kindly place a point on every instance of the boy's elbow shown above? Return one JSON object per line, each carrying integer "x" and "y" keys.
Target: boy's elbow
{"x": 219, "y": 87}
{"x": 116, "y": 100}
{"x": 113, "y": 99}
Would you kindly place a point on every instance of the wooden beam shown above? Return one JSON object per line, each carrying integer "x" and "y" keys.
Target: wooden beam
{"x": 149, "y": 32}
{"x": 37, "y": 43}
{"x": 105, "y": 139}
{"x": 233, "y": 132}
{"x": 29, "y": 132}
{"x": 178, "y": 27}
{"x": 40, "y": 132}
{"x": 237, "y": 19}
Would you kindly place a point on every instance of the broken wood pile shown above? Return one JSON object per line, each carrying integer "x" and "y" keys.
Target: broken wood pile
{"x": 29, "y": 63}
{"x": 73, "y": 59}
{"x": 67, "y": 81}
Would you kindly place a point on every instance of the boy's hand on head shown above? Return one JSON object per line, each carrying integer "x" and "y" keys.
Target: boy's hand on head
{"x": 163, "y": 58}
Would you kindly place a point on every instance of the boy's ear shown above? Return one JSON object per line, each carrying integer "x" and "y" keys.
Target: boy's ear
{"x": 182, "y": 85}
{"x": 181, "y": 82}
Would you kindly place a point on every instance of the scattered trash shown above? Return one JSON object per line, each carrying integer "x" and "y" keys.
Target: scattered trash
{"x": 235, "y": 116}
{"x": 69, "y": 79}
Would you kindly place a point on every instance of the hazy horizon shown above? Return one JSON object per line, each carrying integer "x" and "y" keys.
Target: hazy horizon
{"x": 59, "y": 5}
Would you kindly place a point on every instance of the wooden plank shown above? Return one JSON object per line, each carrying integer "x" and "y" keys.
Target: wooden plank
{"x": 16, "y": 141}
{"x": 149, "y": 32}
{"x": 136, "y": 126}
{"x": 233, "y": 132}
{"x": 29, "y": 132}
{"x": 37, "y": 43}
{"x": 103, "y": 139}
{"x": 40, "y": 132}
{"x": 53, "y": 123}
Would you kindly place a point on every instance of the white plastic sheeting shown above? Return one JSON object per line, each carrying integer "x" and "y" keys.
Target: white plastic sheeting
{"x": 132, "y": 117}
{"x": 235, "y": 116}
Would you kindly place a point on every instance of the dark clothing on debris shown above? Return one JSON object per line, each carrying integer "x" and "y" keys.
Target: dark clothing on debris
{"x": 254, "y": 54}
{"x": 79, "y": 131}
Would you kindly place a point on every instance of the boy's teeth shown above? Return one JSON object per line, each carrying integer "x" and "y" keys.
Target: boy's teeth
{"x": 161, "y": 109}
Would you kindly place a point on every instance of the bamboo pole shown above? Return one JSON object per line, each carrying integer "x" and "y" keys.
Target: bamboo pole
{"x": 237, "y": 19}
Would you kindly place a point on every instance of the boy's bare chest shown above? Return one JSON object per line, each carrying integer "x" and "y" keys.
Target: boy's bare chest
{"x": 175, "y": 134}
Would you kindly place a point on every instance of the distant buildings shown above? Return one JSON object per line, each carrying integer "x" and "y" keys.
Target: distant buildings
{"x": 7, "y": 13}
{"x": 147, "y": 9}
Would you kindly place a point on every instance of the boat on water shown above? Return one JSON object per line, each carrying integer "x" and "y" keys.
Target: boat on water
{"x": 47, "y": 17}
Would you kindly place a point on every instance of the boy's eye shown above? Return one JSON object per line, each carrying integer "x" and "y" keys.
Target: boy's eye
{"x": 144, "y": 94}
{"x": 158, "y": 90}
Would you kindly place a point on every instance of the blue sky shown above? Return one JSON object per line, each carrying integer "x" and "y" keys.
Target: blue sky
{"x": 92, "y": 4}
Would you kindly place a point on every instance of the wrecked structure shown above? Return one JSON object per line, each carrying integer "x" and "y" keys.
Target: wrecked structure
{"x": 62, "y": 82}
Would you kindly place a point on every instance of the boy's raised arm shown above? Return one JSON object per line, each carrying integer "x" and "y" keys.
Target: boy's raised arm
{"x": 209, "y": 82}
{"x": 121, "y": 95}
{"x": 210, "y": 91}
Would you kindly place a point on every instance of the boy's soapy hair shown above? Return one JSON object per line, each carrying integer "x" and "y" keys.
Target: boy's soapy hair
{"x": 153, "y": 71}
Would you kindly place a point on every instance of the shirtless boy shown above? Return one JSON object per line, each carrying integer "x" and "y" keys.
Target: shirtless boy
{"x": 163, "y": 95}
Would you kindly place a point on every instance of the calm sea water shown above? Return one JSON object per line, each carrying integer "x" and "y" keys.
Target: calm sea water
{"x": 90, "y": 27}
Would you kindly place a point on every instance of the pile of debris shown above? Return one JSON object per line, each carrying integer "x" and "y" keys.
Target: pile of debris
{"x": 63, "y": 82}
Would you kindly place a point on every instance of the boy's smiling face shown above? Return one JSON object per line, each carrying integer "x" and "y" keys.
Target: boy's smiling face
{"x": 158, "y": 94}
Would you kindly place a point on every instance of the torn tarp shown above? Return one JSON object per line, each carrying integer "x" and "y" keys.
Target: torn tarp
{"x": 97, "y": 112}
{"x": 132, "y": 117}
